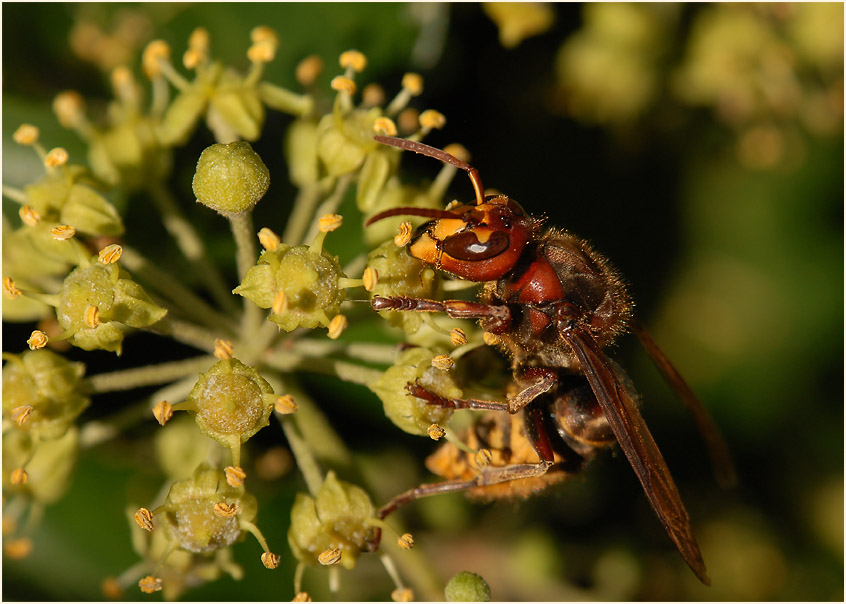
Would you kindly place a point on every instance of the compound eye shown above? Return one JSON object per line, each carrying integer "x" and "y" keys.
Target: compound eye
{"x": 466, "y": 246}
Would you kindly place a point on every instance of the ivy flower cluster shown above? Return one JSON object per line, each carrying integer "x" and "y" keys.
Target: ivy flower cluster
{"x": 68, "y": 269}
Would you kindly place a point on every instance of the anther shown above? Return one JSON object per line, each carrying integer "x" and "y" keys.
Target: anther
{"x": 413, "y": 82}
{"x": 402, "y": 594}
{"x": 353, "y": 59}
{"x": 385, "y": 126}
{"x": 144, "y": 519}
{"x": 483, "y": 457}
{"x": 21, "y": 414}
{"x": 235, "y": 476}
{"x": 403, "y": 236}
{"x": 280, "y": 302}
{"x": 262, "y": 52}
{"x": 223, "y": 349}
{"x": 263, "y": 33}
{"x": 270, "y": 560}
{"x": 9, "y": 289}
{"x": 285, "y": 405}
{"x": 435, "y": 432}
{"x": 150, "y": 584}
{"x": 342, "y": 84}
{"x": 56, "y": 157}
{"x": 431, "y": 119}
{"x": 490, "y": 339}
{"x": 302, "y": 597}
{"x": 156, "y": 51}
{"x": 69, "y": 107}
{"x": 330, "y": 557}
{"x": 26, "y": 135}
{"x": 408, "y": 120}
{"x": 37, "y": 339}
{"x": 17, "y": 549}
{"x": 308, "y": 70}
{"x": 110, "y": 254}
{"x": 19, "y": 477}
{"x": 92, "y": 316}
{"x": 163, "y": 411}
{"x": 458, "y": 337}
{"x": 330, "y": 222}
{"x": 406, "y": 541}
{"x": 337, "y": 326}
{"x": 373, "y": 95}
{"x": 226, "y": 510}
{"x": 458, "y": 151}
{"x": 370, "y": 278}
{"x": 63, "y": 232}
{"x": 199, "y": 39}
{"x": 444, "y": 362}
{"x": 268, "y": 239}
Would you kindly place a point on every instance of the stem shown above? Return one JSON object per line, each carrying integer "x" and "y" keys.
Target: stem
{"x": 306, "y": 461}
{"x": 187, "y": 333}
{"x": 128, "y": 379}
{"x": 344, "y": 370}
{"x": 15, "y": 194}
{"x": 191, "y": 245}
{"x": 244, "y": 235}
{"x": 177, "y": 294}
{"x": 251, "y": 349}
{"x": 360, "y": 351}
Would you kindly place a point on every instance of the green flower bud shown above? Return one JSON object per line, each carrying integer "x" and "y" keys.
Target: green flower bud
{"x": 62, "y": 197}
{"x": 236, "y": 107}
{"x": 129, "y": 154}
{"x": 230, "y": 402}
{"x": 411, "y": 414}
{"x": 230, "y": 177}
{"x": 189, "y": 510}
{"x": 337, "y": 518}
{"x": 467, "y": 587}
{"x": 402, "y": 275}
{"x": 49, "y": 464}
{"x": 50, "y": 385}
{"x": 118, "y": 300}
{"x": 309, "y": 280}
{"x": 301, "y": 152}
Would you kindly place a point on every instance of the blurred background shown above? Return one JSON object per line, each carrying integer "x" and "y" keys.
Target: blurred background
{"x": 698, "y": 146}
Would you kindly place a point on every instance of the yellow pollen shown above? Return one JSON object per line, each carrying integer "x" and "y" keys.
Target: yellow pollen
{"x": 330, "y": 557}
{"x": 406, "y": 541}
{"x": 458, "y": 151}
{"x": 262, "y": 33}
{"x": 144, "y": 519}
{"x": 199, "y": 39}
{"x": 121, "y": 76}
{"x": 56, "y": 157}
{"x": 26, "y": 134}
{"x": 408, "y": 120}
{"x": 308, "y": 70}
{"x": 435, "y": 432}
{"x": 430, "y": 119}
{"x": 150, "y": 584}
{"x": 17, "y": 549}
{"x": 354, "y": 59}
{"x": 29, "y": 216}
{"x": 330, "y": 222}
{"x": 92, "y": 316}
{"x": 483, "y": 457}
{"x": 413, "y": 82}
{"x": 155, "y": 51}
{"x": 235, "y": 476}
{"x": 302, "y": 597}
{"x": 444, "y": 362}
{"x": 343, "y": 84}
{"x": 285, "y": 405}
{"x": 403, "y": 235}
{"x": 402, "y": 594}
{"x": 370, "y": 278}
{"x": 20, "y": 414}
{"x": 373, "y": 95}
{"x": 385, "y": 125}
{"x": 226, "y": 510}
{"x": 63, "y": 232}
{"x": 490, "y": 338}
{"x": 193, "y": 57}
{"x": 458, "y": 337}
{"x": 110, "y": 254}
{"x": 337, "y": 326}
{"x": 163, "y": 411}
{"x": 280, "y": 303}
{"x": 262, "y": 52}
{"x": 222, "y": 348}
{"x": 268, "y": 239}
{"x": 38, "y": 339}
{"x": 9, "y": 289}
{"x": 270, "y": 560}
{"x": 69, "y": 107}
{"x": 19, "y": 476}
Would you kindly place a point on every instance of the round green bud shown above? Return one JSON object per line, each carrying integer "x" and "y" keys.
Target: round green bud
{"x": 467, "y": 587}
{"x": 337, "y": 518}
{"x": 49, "y": 384}
{"x": 231, "y": 402}
{"x": 191, "y": 515}
{"x": 230, "y": 177}
{"x": 410, "y": 413}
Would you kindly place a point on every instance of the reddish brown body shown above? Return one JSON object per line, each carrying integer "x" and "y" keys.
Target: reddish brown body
{"x": 553, "y": 304}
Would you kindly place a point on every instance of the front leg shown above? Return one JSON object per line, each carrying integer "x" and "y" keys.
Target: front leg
{"x": 496, "y": 318}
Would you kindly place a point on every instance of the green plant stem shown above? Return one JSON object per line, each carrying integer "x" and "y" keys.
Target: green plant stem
{"x": 176, "y": 294}
{"x": 15, "y": 194}
{"x": 304, "y": 205}
{"x": 315, "y": 428}
{"x": 185, "y": 332}
{"x": 245, "y": 242}
{"x": 128, "y": 379}
{"x": 192, "y": 246}
{"x": 251, "y": 349}
{"x": 330, "y": 205}
{"x": 360, "y": 351}
{"x": 306, "y": 461}
{"x": 344, "y": 370}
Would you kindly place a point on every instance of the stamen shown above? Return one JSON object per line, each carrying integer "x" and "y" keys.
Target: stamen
{"x": 337, "y": 326}
{"x": 26, "y": 135}
{"x": 268, "y": 239}
{"x": 223, "y": 348}
{"x": 330, "y": 557}
{"x": 38, "y": 339}
{"x": 110, "y": 254}
{"x": 235, "y": 476}
{"x": 144, "y": 519}
{"x": 403, "y": 236}
{"x": 285, "y": 405}
{"x": 308, "y": 70}
{"x": 56, "y": 157}
{"x": 354, "y": 60}
{"x": 435, "y": 432}
{"x": 163, "y": 411}
{"x": 29, "y": 216}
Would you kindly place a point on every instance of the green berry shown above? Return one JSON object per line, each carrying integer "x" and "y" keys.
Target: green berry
{"x": 230, "y": 178}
